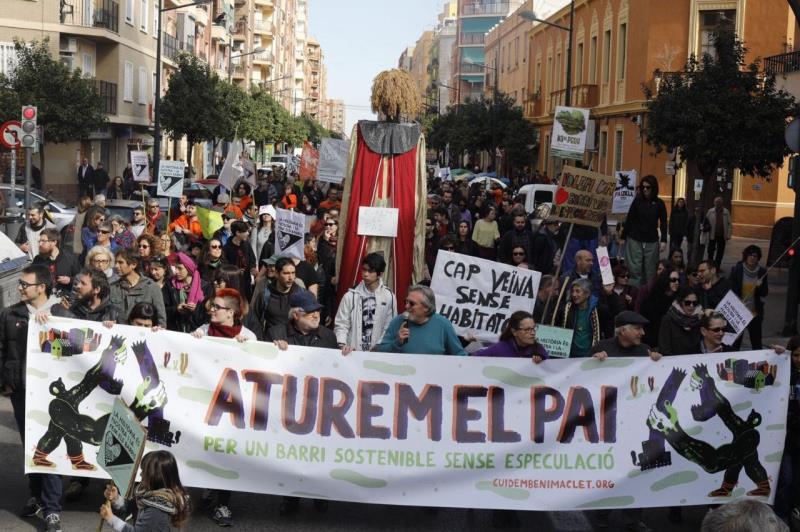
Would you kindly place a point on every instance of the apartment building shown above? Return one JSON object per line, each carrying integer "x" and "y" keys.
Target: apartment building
{"x": 334, "y": 118}
{"x": 473, "y": 20}
{"x": 617, "y": 46}
{"x": 506, "y": 53}
{"x": 252, "y": 55}
{"x": 406, "y": 58}
{"x": 315, "y": 79}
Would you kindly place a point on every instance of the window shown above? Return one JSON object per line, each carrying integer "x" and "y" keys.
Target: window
{"x": 618, "y": 150}
{"x": 593, "y": 60}
{"x": 143, "y": 17}
{"x": 516, "y": 51}
{"x": 603, "y": 144}
{"x": 606, "y": 56}
{"x": 622, "y": 44}
{"x": 711, "y": 21}
{"x": 155, "y": 17}
{"x": 127, "y": 91}
{"x": 579, "y": 65}
{"x": 143, "y": 85}
{"x": 87, "y": 65}
{"x": 129, "y": 12}
{"x": 537, "y": 79}
{"x": 8, "y": 57}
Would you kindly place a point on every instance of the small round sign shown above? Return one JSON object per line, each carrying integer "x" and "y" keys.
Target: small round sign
{"x": 11, "y": 134}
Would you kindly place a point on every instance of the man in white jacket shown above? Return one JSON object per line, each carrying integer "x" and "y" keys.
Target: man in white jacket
{"x": 366, "y": 310}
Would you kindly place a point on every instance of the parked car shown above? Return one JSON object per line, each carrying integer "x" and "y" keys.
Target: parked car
{"x": 62, "y": 214}
{"x": 194, "y": 191}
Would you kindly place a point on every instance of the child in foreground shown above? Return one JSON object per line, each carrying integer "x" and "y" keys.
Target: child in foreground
{"x": 160, "y": 501}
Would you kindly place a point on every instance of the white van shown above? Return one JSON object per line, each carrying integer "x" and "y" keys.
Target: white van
{"x": 536, "y": 195}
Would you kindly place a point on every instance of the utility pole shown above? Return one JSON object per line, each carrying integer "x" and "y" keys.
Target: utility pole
{"x": 793, "y": 290}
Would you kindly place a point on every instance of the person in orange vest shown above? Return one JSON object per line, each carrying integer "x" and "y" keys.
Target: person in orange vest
{"x": 289, "y": 200}
{"x": 187, "y": 223}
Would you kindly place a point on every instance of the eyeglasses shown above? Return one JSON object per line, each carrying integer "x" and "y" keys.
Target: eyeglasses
{"x": 330, "y": 224}
{"x": 411, "y": 303}
{"x": 690, "y": 302}
{"x": 716, "y": 329}
{"x": 100, "y": 261}
{"x": 105, "y": 231}
{"x": 44, "y": 241}
{"x": 527, "y": 330}
{"x": 22, "y": 284}
{"x": 215, "y": 307}
{"x": 144, "y": 246}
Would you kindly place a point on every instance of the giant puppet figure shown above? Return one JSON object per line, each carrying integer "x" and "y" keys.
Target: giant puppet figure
{"x": 386, "y": 169}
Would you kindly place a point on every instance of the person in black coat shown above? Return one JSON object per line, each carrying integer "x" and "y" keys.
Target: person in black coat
{"x": 748, "y": 280}
{"x": 180, "y": 296}
{"x": 238, "y": 251}
{"x": 518, "y": 236}
{"x": 85, "y": 179}
{"x": 546, "y": 244}
{"x": 656, "y": 303}
{"x": 678, "y": 224}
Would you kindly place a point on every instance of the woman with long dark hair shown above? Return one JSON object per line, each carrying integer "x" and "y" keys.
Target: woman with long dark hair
{"x": 678, "y": 224}
{"x": 464, "y": 243}
{"x": 646, "y": 216}
{"x": 211, "y": 259}
{"x": 680, "y": 329}
{"x": 518, "y": 340}
{"x": 656, "y": 303}
{"x": 184, "y": 291}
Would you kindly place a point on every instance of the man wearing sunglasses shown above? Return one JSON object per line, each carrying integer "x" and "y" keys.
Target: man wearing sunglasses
{"x": 35, "y": 286}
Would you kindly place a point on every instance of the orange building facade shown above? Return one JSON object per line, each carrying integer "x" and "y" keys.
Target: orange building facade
{"x": 617, "y": 46}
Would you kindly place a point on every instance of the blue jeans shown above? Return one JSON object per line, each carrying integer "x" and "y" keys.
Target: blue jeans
{"x": 46, "y": 488}
{"x": 573, "y": 246}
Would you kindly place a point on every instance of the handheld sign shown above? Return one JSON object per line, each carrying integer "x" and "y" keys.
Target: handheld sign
{"x": 606, "y": 273}
{"x": 737, "y": 315}
{"x": 140, "y": 165}
{"x": 122, "y": 447}
{"x": 170, "y": 178}
{"x": 582, "y": 197}
{"x": 333, "y": 154}
{"x": 290, "y": 227}
{"x": 479, "y": 295}
{"x": 377, "y": 221}
{"x": 624, "y": 192}
{"x": 557, "y": 340}
{"x": 309, "y": 161}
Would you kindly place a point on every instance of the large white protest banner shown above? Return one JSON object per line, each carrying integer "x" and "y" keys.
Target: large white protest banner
{"x": 569, "y": 132}
{"x": 624, "y": 192}
{"x": 170, "y": 178}
{"x": 478, "y": 295}
{"x": 290, "y": 230}
{"x": 737, "y": 315}
{"x": 333, "y": 154}
{"x": 140, "y": 166}
{"x": 475, "y": 432}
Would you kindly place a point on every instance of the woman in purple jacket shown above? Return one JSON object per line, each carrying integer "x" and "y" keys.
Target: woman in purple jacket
{"x": 517, "y": 340}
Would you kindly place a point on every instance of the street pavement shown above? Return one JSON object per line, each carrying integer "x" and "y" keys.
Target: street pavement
{"x": 260, "y": 512}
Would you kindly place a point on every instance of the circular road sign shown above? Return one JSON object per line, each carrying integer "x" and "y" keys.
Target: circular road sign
{"x": 11, "y": 133}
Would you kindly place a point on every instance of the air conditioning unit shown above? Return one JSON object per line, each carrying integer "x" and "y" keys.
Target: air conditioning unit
{"x": 69, "y": 46}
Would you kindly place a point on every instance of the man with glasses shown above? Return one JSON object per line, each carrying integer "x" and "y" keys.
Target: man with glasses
{"x": 62, "y": 264}
{"x": 366, "y": 310}
{"x": 28, "y": 234}
{"x": 138, "y": 223}
{"x": 34, "y": 286}
{"x": 713, "y": 285}
{"x": 645, "y": 226}
{"x": 156, "y": 222}
{"x": 420, "y": 329}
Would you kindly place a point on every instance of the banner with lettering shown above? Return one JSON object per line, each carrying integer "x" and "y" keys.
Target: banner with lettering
{"x": 382, "y": 428}
{"x": 582, "y": 197}
{"x": 478, "y": 295}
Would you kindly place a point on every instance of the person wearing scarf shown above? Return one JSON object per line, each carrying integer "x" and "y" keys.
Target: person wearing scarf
{"x": 184, "y": 290}
{"x": 225, "y": 311}
{"x": 679, "y": 333}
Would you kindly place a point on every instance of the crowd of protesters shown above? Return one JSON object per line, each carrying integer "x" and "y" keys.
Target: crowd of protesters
{"x": 163, "y": 270}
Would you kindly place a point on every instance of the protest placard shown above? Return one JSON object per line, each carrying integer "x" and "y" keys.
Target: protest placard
{"x": 604, "y": 261}
{"x": 557, "y": 340}
{"x": 377, "y": 221}
{"x": 290, "y": 228}
{"x": 411, "y": 429}
{"x": 737, "y": 315}
{"x": 478, "y": 295}
{"x": 624, "y": 192}
{"x": 309, "y": 161}
{"x": 333, "y": 155}
{"x": 582, "y": 197}
{"x": 569, "y": 132}
{"x": 140, "y": 166}
{"x": 170, "y": 178}
{"x": 122, "y": 446}
{"x": 232, "y": 167}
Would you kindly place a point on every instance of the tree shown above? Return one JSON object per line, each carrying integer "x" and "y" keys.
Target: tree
{"x": 720, "y": 112}
{"x": 68, "y": 104}
{"x": 190, "y": 107}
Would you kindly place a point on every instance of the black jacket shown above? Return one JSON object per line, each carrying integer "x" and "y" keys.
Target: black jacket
{"x": 710, "y": 298}
{"x": 644, "y": 218}
{"x": 322, "y": 337}
{"x": 14, "y": 342}
{"x": 65, "y": 264}
{"x": 178, "y": 321}
{"x": 545, "y": 246}
{"x": 105, "y": 311}
{"x": 512, "y": 239}
{"x": 678, "y": 223}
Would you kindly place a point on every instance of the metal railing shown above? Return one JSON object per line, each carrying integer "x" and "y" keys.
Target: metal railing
{"x": 582, "y": 96}
{"x": 172, "y": 46}
{"x": 90, "y": 13}
{"x": 472, "y": 38}
{"x": 108, "y": 96}
{"x": 477, "y": 8}
{"x": 188, "y": 46}
{"x": 262, "y": 26}
{"x": 471, "y": 68}
{"x": 782, "y": 64}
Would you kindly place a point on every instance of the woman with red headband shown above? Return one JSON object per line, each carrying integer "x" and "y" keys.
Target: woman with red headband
{"x": 183, "y": 292}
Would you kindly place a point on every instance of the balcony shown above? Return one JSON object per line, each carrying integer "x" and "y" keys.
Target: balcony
{"x": 476, "y": 9}
{"x": 91, "y": 14}
{"x": 263, "y": 57}
{"x": 471, "y": 68}
{"x": 586, "y": 96}
{"x": 108, "y": 96}
{"x": 239, "y": 71}
{"x": 201, "y": 15}
{"x": 471, "y": 38}
{"x": 171, "y": 46}
{"x": 265, "y": 3}
{"x": 262, "y": 27}
{"x": 219, "y": 33}
{"x": 780, "y": 65}
{"x": 535, "y": 105}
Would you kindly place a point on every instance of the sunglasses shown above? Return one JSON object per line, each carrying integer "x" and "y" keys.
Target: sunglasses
{"x": 518, "y": 254}
{"x": 646, "y": 187}
{"x": 330, "y": 224}
{"x": 690, "y": 302}
{"x": 144, "y": 246}
{"x": 716, "y": 329}
{"x": 215, "y": 246}
{"x": 105, "y": 231}
{"x": 674, "y": 279}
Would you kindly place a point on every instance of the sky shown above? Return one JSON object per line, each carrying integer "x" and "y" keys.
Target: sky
{"x": 361, "y": 38}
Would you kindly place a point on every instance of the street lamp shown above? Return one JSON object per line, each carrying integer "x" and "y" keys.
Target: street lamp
{"x": 157, "y": 103}
{"x": 530, "y": 15}
{"x": 258, "y": 50}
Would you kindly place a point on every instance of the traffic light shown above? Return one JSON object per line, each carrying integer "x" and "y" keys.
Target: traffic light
{"x": 29, "y": 114}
